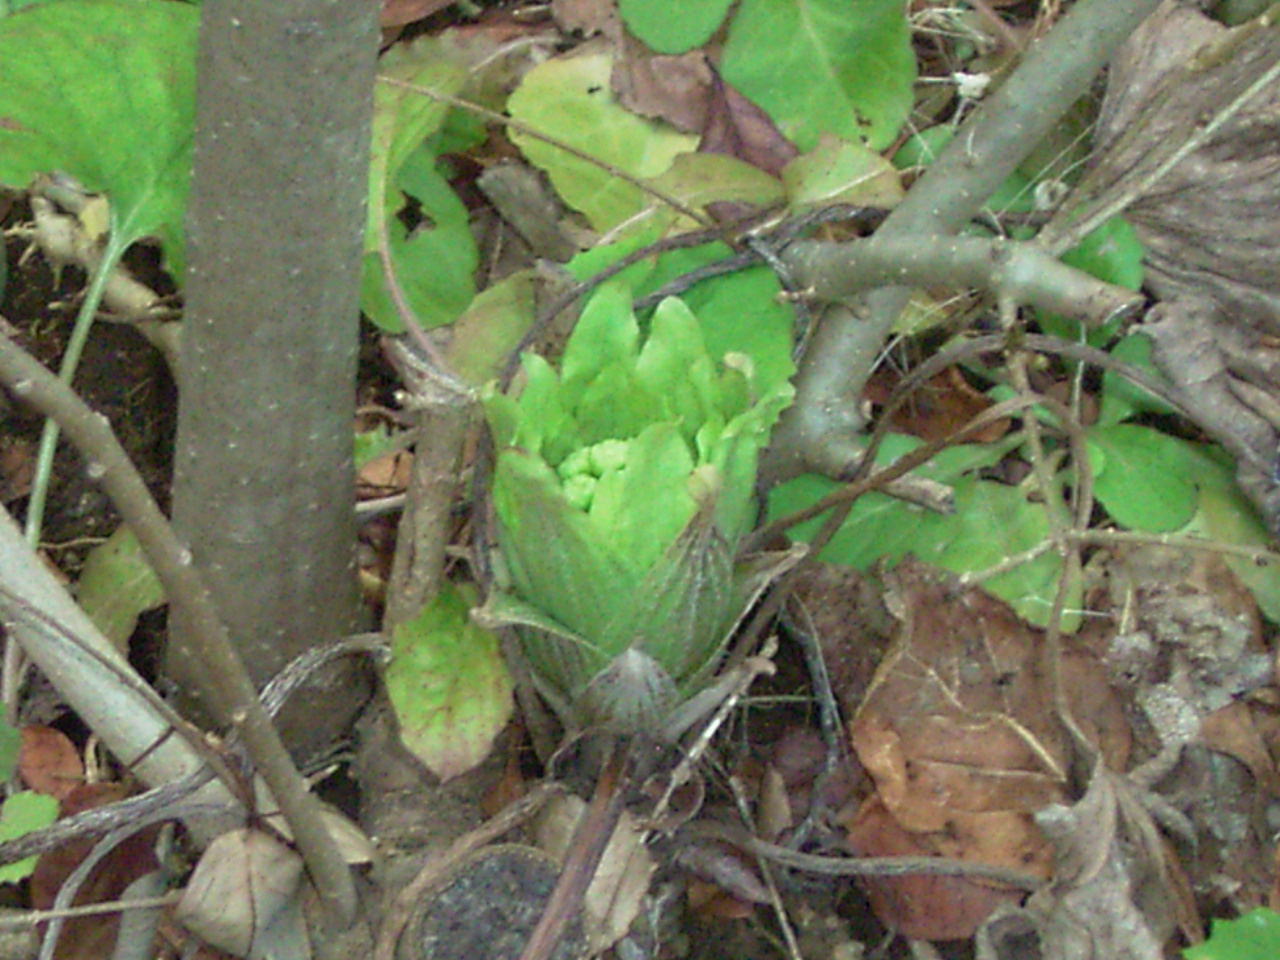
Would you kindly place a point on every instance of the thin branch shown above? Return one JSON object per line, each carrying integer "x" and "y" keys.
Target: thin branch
{"x": 1054, "y": 75}
{"x": 230, "y": 690}
{"x": 1020, "y": 271}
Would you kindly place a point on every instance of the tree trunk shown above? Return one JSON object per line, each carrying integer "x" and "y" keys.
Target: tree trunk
{"x": 264, "y": 480}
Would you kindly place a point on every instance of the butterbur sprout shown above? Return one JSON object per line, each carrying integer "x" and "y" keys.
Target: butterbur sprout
{"x": 623, "y": 485}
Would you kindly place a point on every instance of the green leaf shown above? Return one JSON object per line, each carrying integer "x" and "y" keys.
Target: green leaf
{"x": 1227, "y": 515}
{"x": 675, "y": 368}
{"x": 117, "y": 585}
{"x": 492, "y": 326}
{"x": 435, "y": 264}
{"x": 824, "y": 66}
{"x": 570, "y": 98}
{"x": 700, "y": 179}
{"x": 449, "y": 686}
{"x": 1113, "y": 253}
{"x": 991, "y": 523}
{"x": 1142, "y": 478}
{"x": 842, "y": 171}
{"x": 744, "y": 313}
{"x": 687, "y": 600}
{"x": 21, "y": 814}
{"x": 1121, "y": 397}
{"x": 561, "y": 661}
{"x": 1255, "y": 936}
{"x": 641, "y": 509}
{"x": 673, "y": 26}
{"x": 10, "y": 746}
{"x": 590, "y": 262}
{"x": 553, "y": 551}
{"x": 104, "y": 90}
{"x": 606, "y": 334}
{"x": 371, "y": 444}
{"x": 402, "y": 119}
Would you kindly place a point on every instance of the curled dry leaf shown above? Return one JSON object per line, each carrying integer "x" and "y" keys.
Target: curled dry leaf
{"x": 396, "y": 13}
{"x": 616, "y": 894}
{"x": 1205, "y": 217}
{"x": 243, "y": 883}
{"x": 1111, "y": 899}
{"x": 960, "y": 737}
{"x": 49, "y": 763}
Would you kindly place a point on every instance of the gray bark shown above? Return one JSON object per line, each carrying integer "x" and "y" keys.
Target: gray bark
{"x": 263, "y": 476}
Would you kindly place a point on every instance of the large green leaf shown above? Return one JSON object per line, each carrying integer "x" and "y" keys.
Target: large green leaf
{"x": 569, "y": 98}
{"x": 991, "y": 523}
{"x": 24, "y": 812}
{"x": 104, "y": 90}
{"x": 449, "y": 685}
{"x": 824, "y": 66}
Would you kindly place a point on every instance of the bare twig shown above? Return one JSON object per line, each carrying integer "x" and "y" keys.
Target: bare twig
{"x": 819, "y": 432}
{"x": 863, "y": 866}
{"x": 441, "y": 406}
{"x": 228, "y": 685}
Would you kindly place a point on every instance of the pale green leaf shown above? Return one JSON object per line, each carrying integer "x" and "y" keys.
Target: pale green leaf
{"x": 24, "y": 813}
{"x": 842, "y": 171}
{"x": 570, "y": 99}
{"x": 449, "y": 685}
{"x": 699, "y": 179}
{"x": 491, "y": 327}
{"x": 116, "y": 585}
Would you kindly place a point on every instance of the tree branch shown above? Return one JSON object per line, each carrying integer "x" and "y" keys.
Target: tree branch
{"x": 229, "y": 688}
{"x": 818, "y": 432}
